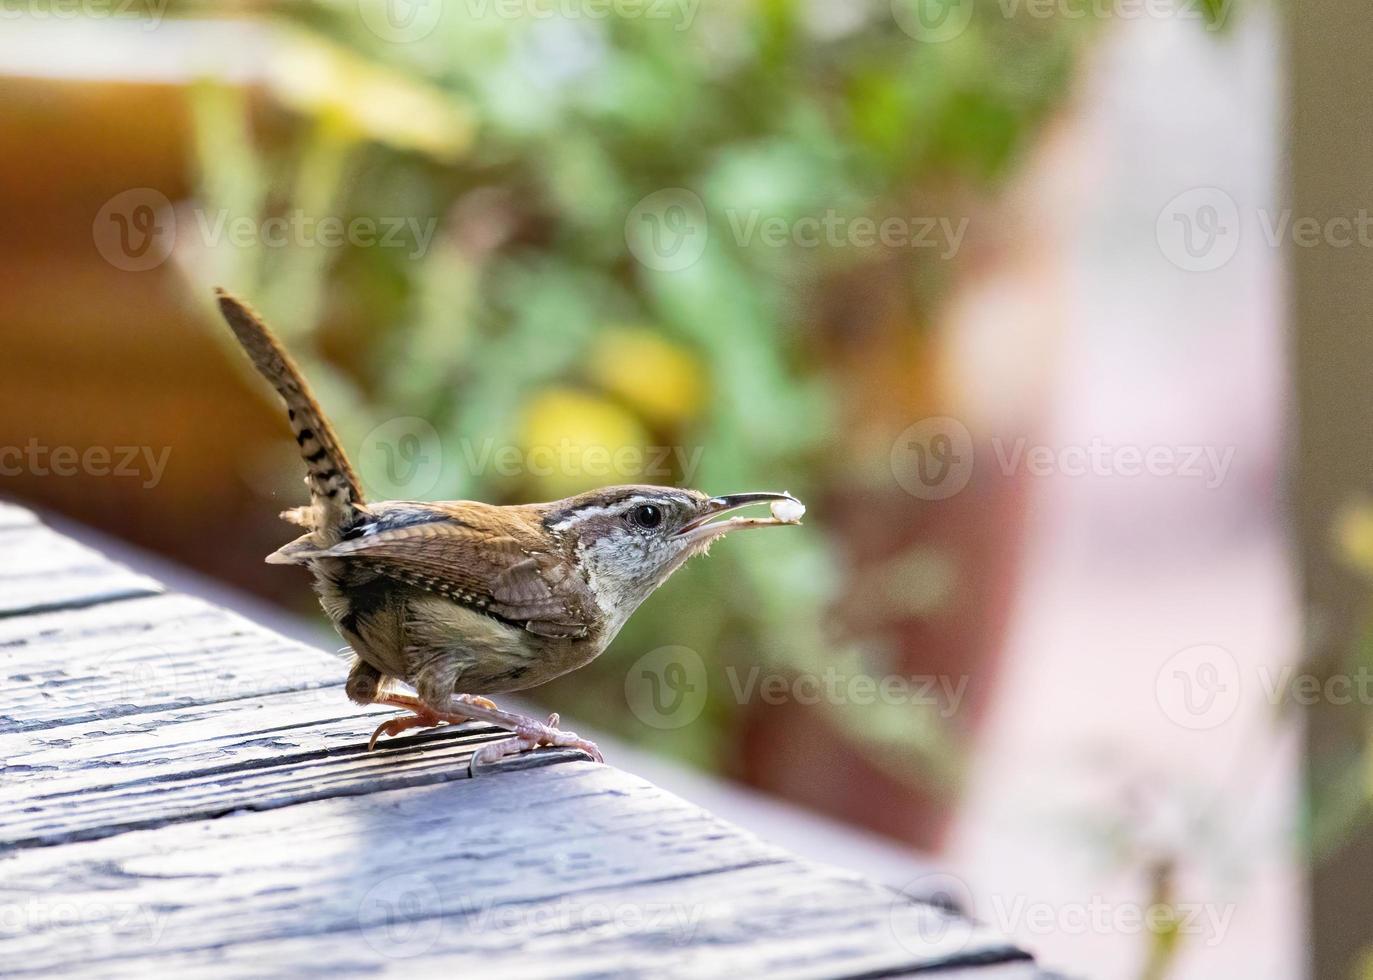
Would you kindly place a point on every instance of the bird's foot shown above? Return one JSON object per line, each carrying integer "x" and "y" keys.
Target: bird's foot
{"x": 422, "y": 715}
{"x": 530, "y": 735}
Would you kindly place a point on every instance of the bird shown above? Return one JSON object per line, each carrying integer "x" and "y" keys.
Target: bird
{"x": 457, "y": 600}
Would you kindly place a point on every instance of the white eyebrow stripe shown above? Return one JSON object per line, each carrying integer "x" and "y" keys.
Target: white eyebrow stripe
{"x": 578, "y": 515}
{"x": 619, "y": 508}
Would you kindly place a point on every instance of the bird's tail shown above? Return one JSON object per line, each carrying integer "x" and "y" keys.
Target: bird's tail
{"x": 335, "y": 494}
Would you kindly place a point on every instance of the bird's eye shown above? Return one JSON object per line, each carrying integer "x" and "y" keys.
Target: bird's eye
{"x": 646, "y": 516}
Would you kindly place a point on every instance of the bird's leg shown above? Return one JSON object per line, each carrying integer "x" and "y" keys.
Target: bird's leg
{"x": 529, "y": 733}
{"x": 423, "y": 716}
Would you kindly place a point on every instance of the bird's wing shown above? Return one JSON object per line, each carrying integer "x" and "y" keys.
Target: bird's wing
{"x": 486, "y": 568}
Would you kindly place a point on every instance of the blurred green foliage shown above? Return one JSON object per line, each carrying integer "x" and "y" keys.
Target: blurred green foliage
{"x": 527, "y": 141}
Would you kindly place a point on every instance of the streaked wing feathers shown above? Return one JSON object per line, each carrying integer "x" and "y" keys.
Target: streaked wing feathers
{"x": 493, "y": 572}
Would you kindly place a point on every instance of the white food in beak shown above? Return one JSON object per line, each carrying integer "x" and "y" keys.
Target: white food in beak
{"x": 788, "y": 511}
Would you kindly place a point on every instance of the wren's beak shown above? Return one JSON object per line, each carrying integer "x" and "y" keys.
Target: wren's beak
{"x": 786, "y": 510}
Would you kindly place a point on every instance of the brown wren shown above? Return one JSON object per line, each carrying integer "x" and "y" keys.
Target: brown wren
{"x": 461, "y": 599}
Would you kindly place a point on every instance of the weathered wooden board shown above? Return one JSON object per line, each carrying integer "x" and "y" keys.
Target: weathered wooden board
{"x": 42, "y": 570}
{"x": 12, "y": 515}
{"x": 144, "y": 654}
{"x": 571, "y": 870}
{"x": 1014, "y": 970}
{"x": 98, "y": 778}
{"x": 765, "y": 921}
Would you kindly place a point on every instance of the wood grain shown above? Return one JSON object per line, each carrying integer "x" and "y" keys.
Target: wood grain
{"x": 144, "y": 654}
{"x": 42, "y": 570}
{"x": 569, "y": 870}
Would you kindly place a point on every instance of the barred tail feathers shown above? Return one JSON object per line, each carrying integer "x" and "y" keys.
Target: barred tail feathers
{"x": 335, "y": 492}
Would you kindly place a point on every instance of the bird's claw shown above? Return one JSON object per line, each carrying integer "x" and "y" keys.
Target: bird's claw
{"x": 394, "y": 726}
{"x": 532, "y": 736}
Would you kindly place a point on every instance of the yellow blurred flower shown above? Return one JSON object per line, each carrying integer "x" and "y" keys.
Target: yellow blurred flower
{"x": 662, "y": 380}
{"x": 574, "y": 441}
{"x": 1364, "y": 971}
{"x": 1354, "y": 536}
{"x": 368, "y": 101}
